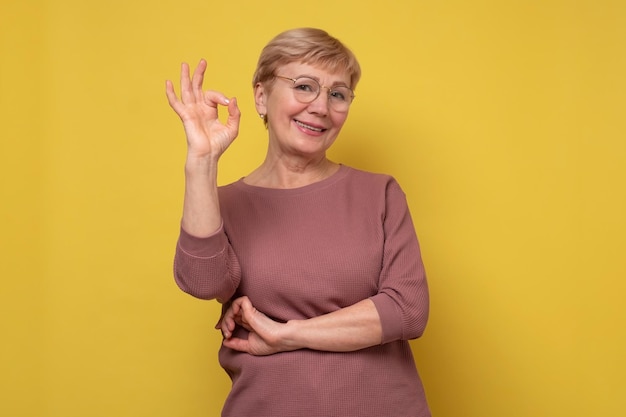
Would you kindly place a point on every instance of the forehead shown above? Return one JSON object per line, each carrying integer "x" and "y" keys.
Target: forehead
{"x": 324, "y": 76}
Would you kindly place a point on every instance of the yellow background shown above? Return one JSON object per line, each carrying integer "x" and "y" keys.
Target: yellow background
{"x": 504, "y": 121}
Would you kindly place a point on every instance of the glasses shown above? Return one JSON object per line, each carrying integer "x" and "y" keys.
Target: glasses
{"x": 307, "y": 89}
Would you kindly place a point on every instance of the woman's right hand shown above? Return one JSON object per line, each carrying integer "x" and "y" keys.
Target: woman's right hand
{"x": 207, "y": 136}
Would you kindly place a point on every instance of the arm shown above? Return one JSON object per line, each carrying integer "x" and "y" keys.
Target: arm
{"x": 399, "y": 310}
{"x": 203, "y": 266}
{"x": 348, "y": 329}
{"x": 403, "y": 300}
{"x": 207, "y": 139}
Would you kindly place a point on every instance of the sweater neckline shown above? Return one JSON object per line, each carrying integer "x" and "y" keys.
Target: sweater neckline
{"x": 337, "y": 176}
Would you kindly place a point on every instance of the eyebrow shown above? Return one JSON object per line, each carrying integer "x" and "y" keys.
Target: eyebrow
{"x": 335, "y": 84}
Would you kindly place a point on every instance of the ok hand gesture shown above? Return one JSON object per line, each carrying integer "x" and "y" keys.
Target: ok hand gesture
{"x": 207, "y": 136}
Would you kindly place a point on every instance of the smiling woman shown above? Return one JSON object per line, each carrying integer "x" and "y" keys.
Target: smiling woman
{"x": 317, "y": 264}
{"x": 302, "y": 125}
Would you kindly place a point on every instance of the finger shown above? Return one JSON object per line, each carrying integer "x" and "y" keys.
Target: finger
{"x": 246, "y": 307}
{"x": 172, "y": 99}
{"x": 198, "y": 78}
{"x": 237, "y": 344}
{"x": 213, "y": 98}
{"x": 186, "y": 92}
{"x": 227, "y": 323}
{"x": 234, "y": 116}
{"x": 226, "y": 331}
{"x": 234, "y": 314}
{"x": 238, "y": 301}
{"x": 249, "y": 319}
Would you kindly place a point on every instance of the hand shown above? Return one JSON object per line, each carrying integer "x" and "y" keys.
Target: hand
{"x": 198, "y": 110}
{"x": 265, "y": 337}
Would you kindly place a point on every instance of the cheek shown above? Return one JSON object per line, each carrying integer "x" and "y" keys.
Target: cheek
{"x": 283, "y": 102}
{"x": 339, "y": 119}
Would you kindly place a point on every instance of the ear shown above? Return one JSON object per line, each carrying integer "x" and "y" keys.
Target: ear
{"x": 260, "y": 98}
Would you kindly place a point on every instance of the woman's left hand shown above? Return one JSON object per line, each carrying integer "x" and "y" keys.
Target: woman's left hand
{"x": 265, "y": 337}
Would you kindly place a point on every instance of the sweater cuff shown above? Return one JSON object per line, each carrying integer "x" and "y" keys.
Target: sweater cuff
{"x": 203, "y": 247}
{"x": 390, "y": 320}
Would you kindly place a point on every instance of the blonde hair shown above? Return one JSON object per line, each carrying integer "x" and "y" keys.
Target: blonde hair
{"x": 308, "y": 46}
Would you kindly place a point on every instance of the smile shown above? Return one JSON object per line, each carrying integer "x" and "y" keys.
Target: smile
{"x": 309, "y": 127}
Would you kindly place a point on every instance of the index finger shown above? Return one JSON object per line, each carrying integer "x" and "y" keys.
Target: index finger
{"x": 213, "y": 98}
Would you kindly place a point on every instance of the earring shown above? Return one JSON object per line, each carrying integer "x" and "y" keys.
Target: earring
{"x": 262, "y": 116}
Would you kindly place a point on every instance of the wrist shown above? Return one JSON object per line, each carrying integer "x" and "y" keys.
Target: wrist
{"x": 200, "y": 164}
{"x": 291, "y": 336}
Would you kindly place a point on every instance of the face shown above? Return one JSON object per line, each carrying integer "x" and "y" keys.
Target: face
{"x": 295, "y": 128}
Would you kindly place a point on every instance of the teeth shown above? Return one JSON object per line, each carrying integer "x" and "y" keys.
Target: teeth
{"x": 316, "y": 129}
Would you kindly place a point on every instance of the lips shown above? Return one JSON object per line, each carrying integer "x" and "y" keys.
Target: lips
{"x": 309, "y": 127}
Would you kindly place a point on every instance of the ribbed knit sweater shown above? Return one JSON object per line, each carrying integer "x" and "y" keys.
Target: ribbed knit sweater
{"x": 303, "y": 252}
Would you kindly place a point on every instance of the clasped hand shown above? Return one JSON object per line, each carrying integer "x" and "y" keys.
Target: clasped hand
{"x": 265, "y": 337}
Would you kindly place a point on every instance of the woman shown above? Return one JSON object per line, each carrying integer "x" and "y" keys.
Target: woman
{"x": 317, "y": 264}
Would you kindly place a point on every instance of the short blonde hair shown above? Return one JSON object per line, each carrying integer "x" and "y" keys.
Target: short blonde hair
{"x": 309, "y": 46}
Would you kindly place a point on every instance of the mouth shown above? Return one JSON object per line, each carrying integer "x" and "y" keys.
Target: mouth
{"x": 310, "y": 127}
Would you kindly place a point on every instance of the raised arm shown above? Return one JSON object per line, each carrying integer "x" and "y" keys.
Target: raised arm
{"x": 207, "y": 139}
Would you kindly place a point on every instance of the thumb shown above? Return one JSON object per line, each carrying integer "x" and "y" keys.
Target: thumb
{"x": 234, "y": 115}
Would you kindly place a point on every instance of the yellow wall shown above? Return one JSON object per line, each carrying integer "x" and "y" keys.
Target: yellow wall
{"x": 503, "y": 121}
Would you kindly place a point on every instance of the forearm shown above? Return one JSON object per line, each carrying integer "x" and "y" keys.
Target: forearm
{"x": 201, "y": 211}
{"x": 348, "y": 329}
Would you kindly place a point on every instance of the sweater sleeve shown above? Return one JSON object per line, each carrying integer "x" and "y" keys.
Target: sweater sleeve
{"x": 206, "y": 268}
{"x": 402, "y": 300}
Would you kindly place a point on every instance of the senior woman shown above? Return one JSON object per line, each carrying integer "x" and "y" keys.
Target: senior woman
{"x": 317, "y": 264}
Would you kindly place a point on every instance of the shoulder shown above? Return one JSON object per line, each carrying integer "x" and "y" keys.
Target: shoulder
{"x": 373, "y": 181}
{"x": 234, "y": 187}
{"x": 232, "y": 194}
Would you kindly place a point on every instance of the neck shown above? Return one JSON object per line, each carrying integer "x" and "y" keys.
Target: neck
{"x": 291, "y": 173}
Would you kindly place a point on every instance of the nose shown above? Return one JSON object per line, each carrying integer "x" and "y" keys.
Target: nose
{"x": 320, "y": 105}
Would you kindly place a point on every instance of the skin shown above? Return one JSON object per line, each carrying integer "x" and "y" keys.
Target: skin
{"x": 296, "y": 155}
{"x": 207, "y": 139}
{"x": 299, "y": 136}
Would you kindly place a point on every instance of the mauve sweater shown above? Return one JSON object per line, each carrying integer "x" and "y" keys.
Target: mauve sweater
{"x": 303, "y": 252}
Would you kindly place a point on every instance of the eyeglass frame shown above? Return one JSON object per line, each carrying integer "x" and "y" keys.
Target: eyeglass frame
{"x": 293, "y": 80}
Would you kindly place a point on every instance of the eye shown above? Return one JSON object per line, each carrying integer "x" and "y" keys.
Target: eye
{"x": 339, "y": 94}
{"x": 305, "y": 86}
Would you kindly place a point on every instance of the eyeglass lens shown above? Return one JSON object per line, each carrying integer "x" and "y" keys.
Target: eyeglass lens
{"x": 308, "y": 89}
